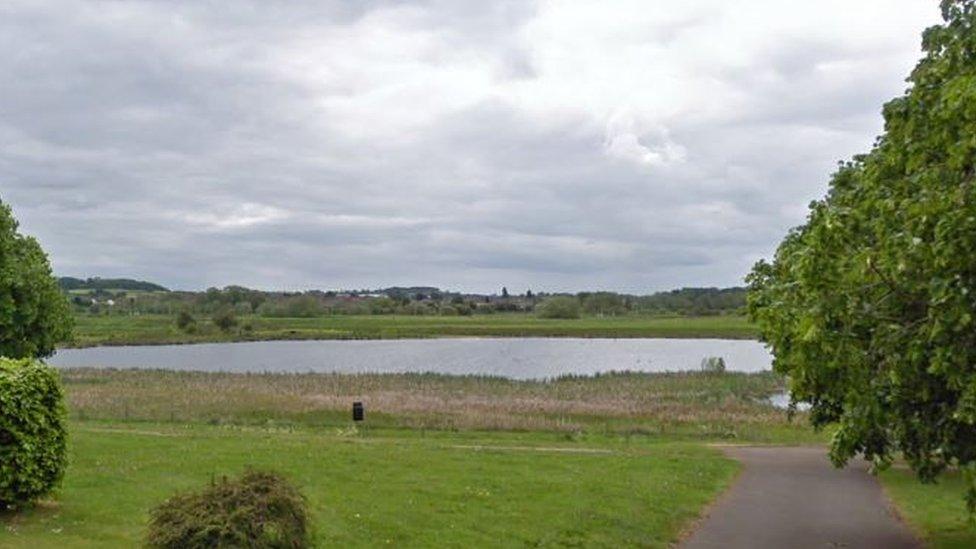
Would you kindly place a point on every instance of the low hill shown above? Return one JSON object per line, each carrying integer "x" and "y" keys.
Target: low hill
{"x": 69, "y": 283}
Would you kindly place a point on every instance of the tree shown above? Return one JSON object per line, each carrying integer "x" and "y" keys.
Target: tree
{"x": 504, "y": 292}
{"x": 604, "y": 303}
{"x": 225, "y": 319}
{"x": 34, "y": 315}
{"x": 869, "y": 306}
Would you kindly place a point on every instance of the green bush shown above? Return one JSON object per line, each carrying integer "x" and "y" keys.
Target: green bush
{"x": 225, "y": 319}
{"x": 713, "y": 365}
{"x": 33, "y": 452}
{"x": 258, "y": 510}
{"x": 186, "y": 322}
{"x": 559, "y": 307}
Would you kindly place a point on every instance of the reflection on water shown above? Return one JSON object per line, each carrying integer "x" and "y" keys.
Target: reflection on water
{"x": 522, "y": 358}
{"x": 782, "y": 400}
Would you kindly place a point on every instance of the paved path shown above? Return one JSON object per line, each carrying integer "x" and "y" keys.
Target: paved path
{"x": 794, "y": 498}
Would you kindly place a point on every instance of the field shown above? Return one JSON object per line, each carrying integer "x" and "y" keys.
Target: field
{"x": 155, "y": 329}
{"x": 935, "y": 511}
{"x": 606, "y": 461}
{"x": 614, "y": 460}
{"x": 696, "y": 405}
{"x": 397, "y": 488}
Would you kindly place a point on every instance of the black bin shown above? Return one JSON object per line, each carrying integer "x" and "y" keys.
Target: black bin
{"x": 358, "y": 413}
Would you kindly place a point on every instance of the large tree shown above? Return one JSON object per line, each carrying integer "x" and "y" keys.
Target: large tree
{"x": 869, "y": 307}
{"x": 34, "y": 314}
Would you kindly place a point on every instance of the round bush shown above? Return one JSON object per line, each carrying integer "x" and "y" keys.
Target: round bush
{"x": 260, "y": 510}
{"x": 33, "y": 451}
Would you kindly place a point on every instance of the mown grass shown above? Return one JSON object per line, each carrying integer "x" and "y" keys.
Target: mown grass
{"x": 373, "y": 487}
{"x": 157, "y": 329}
{"x": 937, "y": 512}
{"x": 446, "y": 461}
{"x": 693, "y": 405}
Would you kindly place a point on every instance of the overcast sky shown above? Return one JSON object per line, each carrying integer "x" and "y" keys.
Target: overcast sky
{"x": 619, "y": 145}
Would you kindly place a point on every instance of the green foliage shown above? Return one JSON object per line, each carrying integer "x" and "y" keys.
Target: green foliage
{"x": 869, "y": 306}
{"x": 258, "y": 510}
{"x": 713, "y": 365}
{"x": 33, "y": 453}
{"x": 34, "y": 314}
{"x": 298, "y": 306}
{"x": 604, "y": 303}
{"x": 694, "y": 301}
{"x": 225, "y": 319}
{"x": 559, "y": 307}
{"x": 135, "y": 297}
{"x": 186, "y": 322}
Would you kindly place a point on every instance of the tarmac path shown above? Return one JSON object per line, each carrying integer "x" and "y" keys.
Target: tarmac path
{"x": 792, "y": 497}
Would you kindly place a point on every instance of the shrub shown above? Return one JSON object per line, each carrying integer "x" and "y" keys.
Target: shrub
{"x": 713, "y": 365}
{"x": 225, "y": 319}
{"x": 33, "y": 452}
{"x": 259, "y": 510}
{"x": 560, "y": 307}
{"x": 186, "y": 322}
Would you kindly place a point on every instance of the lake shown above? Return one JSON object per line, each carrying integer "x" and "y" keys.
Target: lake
{"x": 517, "y": 358}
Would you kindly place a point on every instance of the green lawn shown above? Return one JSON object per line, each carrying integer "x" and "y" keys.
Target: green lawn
{"x": 613, "y": 460}
{"x": 388, "y": 487}
{"x": 148, "y": 329}
{"x": 936, "y": 511}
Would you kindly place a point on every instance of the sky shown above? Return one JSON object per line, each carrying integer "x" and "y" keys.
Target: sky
{"x": 631, "y": 146}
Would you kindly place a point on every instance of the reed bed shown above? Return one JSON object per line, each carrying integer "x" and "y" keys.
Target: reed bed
{"x": 724, "y": 405}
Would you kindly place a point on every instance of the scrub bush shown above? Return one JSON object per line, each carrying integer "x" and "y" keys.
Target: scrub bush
{"x": 33, "y": 434}
{"x": 260, "y": 510}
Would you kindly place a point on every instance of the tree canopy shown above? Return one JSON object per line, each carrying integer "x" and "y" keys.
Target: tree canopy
{"x": 34, "y": 315}
{"x": 869, "y": 306}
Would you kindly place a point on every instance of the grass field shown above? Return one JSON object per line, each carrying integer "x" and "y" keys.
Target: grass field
{"x": 935, "y": 511}
{"x": 370, "y": 488}
{"x": 442, "y": 461}
{"x": 156, "y": 329}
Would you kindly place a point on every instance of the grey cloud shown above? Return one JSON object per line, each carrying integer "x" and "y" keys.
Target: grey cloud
{"x": 341, "y": 144}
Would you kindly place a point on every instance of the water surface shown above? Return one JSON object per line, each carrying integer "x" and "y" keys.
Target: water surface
{"x": 521, "y": 358}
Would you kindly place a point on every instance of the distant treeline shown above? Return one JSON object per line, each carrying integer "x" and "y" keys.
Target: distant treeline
{"x": 125, "y": 296}
{"x": 695, "y": 301}
{"x": 68, "y": 283}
